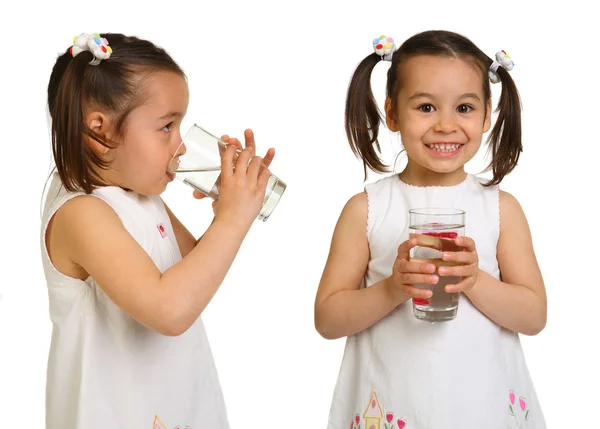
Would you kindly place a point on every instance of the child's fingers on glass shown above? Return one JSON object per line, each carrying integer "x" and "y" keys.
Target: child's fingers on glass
{"x": 269, "y": 157}
{"x": 241, "y": 165}
{"x": 458, "y": 271}
{"x": 415, "y": 267}
{"x": 461, "y": 257}
{"x": 254, "y": 167}
{"x": 414, "y": 292}
{"x": 227, "y": 162}
{"x": 412, "y": 278}
{"x": 467, "y": 243}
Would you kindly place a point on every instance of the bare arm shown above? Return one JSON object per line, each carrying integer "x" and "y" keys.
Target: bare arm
{"x": 342, "y": 308}
{"x": 185, "y": 239}
{"x": 97, "y": 242}
{"x": 518, "y": 302}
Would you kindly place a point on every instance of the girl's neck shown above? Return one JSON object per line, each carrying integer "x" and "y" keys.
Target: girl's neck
{"x": 418, "y": 176}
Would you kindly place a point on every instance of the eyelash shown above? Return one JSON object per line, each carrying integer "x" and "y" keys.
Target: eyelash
{"x": 429, "y": 105}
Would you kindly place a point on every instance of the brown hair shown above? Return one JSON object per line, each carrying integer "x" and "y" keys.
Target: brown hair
{"x": 362, "y": 116}
{"x": 115, "y": 86}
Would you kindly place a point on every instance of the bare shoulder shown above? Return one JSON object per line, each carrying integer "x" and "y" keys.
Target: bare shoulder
{"x": 349, "y": 251}
{"x": 512, "y": 215}
{"x": 509, "y": 201}
{"x": 87, "y": 238}
{"x": 67, "y": 231}
{"x": 516, "y": 255}
{"x": 356, "y": 207}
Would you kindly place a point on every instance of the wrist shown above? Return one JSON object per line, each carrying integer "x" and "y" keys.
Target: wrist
{"x": 394, "y": 294}
{"x": 232, "y": 227}
{"x": 476, "y": 285}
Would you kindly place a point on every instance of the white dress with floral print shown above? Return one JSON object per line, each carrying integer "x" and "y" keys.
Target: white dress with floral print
{"x": 468, "y": 373}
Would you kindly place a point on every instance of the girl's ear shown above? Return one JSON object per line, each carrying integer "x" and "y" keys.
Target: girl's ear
{"x": 390, "y": 116}
{"x": 99, "y": 124}
{"x": 487, "y": 122}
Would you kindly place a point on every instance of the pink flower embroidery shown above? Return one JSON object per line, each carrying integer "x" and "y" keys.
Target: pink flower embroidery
{"x": 401, "y": 423}
{"x": 389, "y": 417}
{"x": 523, "y": 403}
{"x": 357, "y": 419}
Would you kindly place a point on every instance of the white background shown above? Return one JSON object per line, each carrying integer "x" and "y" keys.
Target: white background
{"x": 282, "y": 69}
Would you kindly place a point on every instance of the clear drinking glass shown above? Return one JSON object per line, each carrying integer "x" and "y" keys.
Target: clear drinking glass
{"x": 436, "y": 229}
{"x": 197, "y": 163}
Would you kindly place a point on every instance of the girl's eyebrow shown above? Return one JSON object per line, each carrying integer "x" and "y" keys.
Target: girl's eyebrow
{"x": 421, "y": 95}
{"x": 427, "y": 95}
{"x": 471, "y": 95}
{"x": 171, "y": 115}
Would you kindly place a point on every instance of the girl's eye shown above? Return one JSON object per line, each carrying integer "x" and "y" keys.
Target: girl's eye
{"x": 426, "y": 108}
{"x": 167, "y": 128}
{"x": 464, "y": 108}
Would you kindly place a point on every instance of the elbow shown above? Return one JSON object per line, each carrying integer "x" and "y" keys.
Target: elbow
{"x": 536, "y": 326}
{"x": 171, "y": 324}
{"x": 324, "y": 330}
{"x": 328, "y": 335}
{"x": 173, "y": 330}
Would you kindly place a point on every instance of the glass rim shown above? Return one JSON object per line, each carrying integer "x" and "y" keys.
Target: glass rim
{"x": 195, "y": 125}
{"x": 186, "y": 137}
{"x": 436, "y": 211}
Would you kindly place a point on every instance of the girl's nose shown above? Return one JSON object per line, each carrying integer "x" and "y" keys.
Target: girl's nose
{"x": 446, "y": 124}
{"x": 181, "y": 149}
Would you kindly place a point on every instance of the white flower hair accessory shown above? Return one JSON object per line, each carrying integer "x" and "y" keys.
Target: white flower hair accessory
{"x": 97, "y": 45}
{"x": 384, "y": 46}
{"x": 502, "y": 59}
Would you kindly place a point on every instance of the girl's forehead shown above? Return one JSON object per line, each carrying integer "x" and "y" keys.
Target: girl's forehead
{"x": 441, "y": 72}
{"x": 166, "y": 88}
{"x": 163, "y": 93}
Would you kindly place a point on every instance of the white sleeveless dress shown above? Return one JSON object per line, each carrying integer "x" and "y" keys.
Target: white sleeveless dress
{"x": 106, "y": 370}
{"x": 468, "y": 373}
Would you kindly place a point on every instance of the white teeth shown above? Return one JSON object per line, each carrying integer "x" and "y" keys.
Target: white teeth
{"x": 444, "y": 147}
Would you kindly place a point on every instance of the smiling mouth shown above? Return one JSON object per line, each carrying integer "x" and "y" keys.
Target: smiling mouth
{"x": 445, "y": 147}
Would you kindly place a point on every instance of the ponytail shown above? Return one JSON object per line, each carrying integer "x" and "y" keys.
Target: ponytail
{"x": 504, "y": 141}
{"x": 362, "y": 116}
{"x": 69, "y": 130}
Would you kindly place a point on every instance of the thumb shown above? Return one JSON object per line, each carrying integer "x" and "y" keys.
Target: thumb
{"x": 198, "y": 195}
{"x": 404, "y": 249}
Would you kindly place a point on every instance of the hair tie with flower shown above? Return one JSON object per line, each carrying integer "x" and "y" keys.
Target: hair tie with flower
{"x": 502, "y": 59}
{"x": 94, "y": 43}
{"x": 384, "y": 47}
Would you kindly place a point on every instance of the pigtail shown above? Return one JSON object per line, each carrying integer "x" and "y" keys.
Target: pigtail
{"x": 71, "y": 152}
{"x": 504, "y": 141}
{"x": 362, "y": 116}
